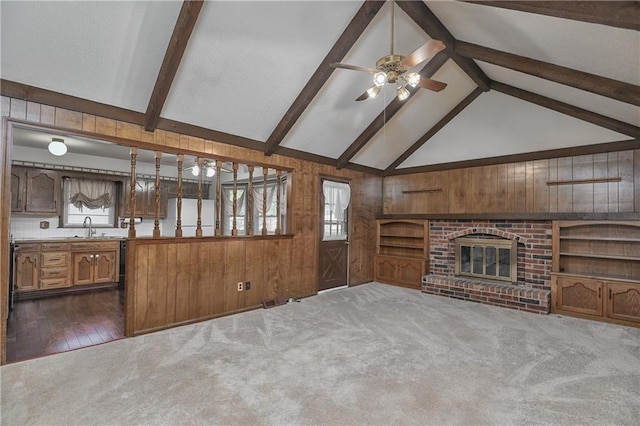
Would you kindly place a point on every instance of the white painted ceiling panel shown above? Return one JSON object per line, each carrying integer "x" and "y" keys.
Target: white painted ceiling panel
{"x": 586, "y": 100}
{"x": 496, "y": 124}
{"x": 333, "y": 119}
{"x": 421, "y": 113}
{"x": 596, "y": 49}
{"x": 246, "y": 62}
{"x": 109, "y": 52}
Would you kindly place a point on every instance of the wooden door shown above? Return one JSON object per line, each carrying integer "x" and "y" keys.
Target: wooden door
{"x": 104, "y": 267}
{"x": 82, "y": 268}
{"x": 17, "y": 189}
{"x": 580, "y": 295}
{"x": 623, "y": 301}
{"x": 334, "y": 242}
{"x": 43, "y": 187}
{"x": 27, "y": 271}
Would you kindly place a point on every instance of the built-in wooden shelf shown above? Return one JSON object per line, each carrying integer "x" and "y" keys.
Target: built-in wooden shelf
{"x": 406, "y": 245}
{"x": 622, "y": 239}
{"x": 417, "y": 237}
{"x": 601, "y": 256}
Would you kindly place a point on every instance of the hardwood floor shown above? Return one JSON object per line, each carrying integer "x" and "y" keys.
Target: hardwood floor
{"x": 40, "y": 327}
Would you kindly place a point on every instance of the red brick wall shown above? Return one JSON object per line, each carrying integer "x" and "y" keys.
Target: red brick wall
{"x": 534, "y": 246}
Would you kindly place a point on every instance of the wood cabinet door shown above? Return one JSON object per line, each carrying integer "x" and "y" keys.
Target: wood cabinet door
{"x": 27, "y": 272}
{"x": 104, "y": 267}
{"x": 140, "y": 197}
{"x": 82, "y": 268}
{"x": 385, "y": 269}
{"x": 580, "y": 295}
{"x": 409, "y": 272}
{"x": 623, "y": 301}
{"x": 43, "y": 188}
{"x": 18, "y": 176}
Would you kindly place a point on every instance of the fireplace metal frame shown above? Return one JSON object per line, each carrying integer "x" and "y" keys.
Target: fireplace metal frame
{"x": 498, "y": 243}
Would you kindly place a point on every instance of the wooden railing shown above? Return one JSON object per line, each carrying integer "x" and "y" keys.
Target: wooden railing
{"x": 248, "y": 197}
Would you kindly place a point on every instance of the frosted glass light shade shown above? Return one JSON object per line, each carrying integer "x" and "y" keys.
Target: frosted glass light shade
{"x": 57, "y": 147}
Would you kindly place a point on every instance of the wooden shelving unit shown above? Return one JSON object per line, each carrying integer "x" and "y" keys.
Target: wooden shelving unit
{"x": 402, "y": 252}
{"x": 596, "y": 270}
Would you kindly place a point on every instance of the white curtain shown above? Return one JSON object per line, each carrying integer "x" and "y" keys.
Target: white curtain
{"x": 258, "y": 190}
{"x": 227, "y": 204}
{"x": 92, "y": 193}
{"x": 337, "y": 195}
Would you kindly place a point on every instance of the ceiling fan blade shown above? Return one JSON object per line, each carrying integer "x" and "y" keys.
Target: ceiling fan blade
{"x": 363, "y": 97}
{"x": 353, "y": 67}
{"x": 423, "y": 53}
{"x": 427, "y": 83}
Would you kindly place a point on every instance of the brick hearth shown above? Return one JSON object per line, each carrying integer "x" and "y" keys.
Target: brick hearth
{"x": 532, "y": 291}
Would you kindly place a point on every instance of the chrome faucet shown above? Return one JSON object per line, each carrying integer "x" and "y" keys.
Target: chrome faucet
{"x": 84, "y": 225}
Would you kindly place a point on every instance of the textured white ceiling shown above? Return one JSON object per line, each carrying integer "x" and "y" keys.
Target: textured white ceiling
{"x": 247, "y": 61}
{"x": 597, "y": 49}
{"x": 109, "y": 52}
{"x": 496, "y": 124}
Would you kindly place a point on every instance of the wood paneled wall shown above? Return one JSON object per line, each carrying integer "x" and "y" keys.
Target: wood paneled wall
{"x": 597, "y": 183}
{"x": 284, "y": 266}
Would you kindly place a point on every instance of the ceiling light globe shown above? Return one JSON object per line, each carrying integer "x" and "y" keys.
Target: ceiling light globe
{"x": 196, "y": 170}
{"x": 403, "y": 93}
{"x": 210, "y": 171}
{"x": 57, "y": 147}
{"x": 373, "y": 92}
{"x": 380, "y": 79}
{"x": 413, "y": 79}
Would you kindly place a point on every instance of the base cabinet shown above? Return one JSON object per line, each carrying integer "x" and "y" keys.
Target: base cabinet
{"x": 601, "y": 299}
{"x": 27, "y": 276}
{"x": 94, "y": 268}
{"x": 402, "y": 271}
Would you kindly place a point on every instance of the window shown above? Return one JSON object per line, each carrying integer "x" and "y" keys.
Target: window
{"x": 88, "y": 197}
{"x": 491, "y": 258}
{"x": 336, "y": 201}
{"x": 227, "y": 213}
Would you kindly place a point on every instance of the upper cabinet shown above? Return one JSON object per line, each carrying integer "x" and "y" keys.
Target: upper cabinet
{"x": 145, "y": 198}
{"x": 35, "y": 191}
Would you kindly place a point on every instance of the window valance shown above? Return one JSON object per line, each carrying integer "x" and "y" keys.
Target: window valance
{"x": 91, "y": 193}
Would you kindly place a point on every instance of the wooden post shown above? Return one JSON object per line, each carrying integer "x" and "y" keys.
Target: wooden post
{"x": 234, "y": 229}
{"x": 249, "y": 211}
{"x": 156, "y": 207}
{"x": 218, "y": 198}
{"x": 180, "y": 159}
{"x": 199, "y": 221}
{"x": 265, "y": 174}
{"x": 278, "y": 174}
{"x": 133, "y": 153}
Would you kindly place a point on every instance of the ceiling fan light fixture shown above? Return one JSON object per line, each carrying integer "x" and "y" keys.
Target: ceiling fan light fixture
{"x": 373, "y": 92}
{"x": 413, "y": 79}
{"x": 403, "y": 93}
{"x": 57, "y": 147}
{"x": 380, "y": 78}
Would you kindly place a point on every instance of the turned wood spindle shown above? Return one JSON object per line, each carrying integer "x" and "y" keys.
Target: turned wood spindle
{"x": 133, "y": 153}
{"x": 180, "y": 160}
{"x": 249, "y": 212}
{"x": 265, "y": 175}
{"x": 234, "y": 229}
{"x": 278, "y": 175}
{"x": 156, "y": 207}
{"x": 199, "y": 220}
{"x": 218, "y": 198}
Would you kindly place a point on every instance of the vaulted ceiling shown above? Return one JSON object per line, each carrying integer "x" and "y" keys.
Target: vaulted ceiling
{"x": 524, "y": 77}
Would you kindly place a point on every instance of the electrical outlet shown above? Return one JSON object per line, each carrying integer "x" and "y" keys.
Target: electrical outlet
{"x": 247, "y": 285}
{"x": 240, "y": 286}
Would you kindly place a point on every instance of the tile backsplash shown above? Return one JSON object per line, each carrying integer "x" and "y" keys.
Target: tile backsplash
{"x": 28, "y": 227}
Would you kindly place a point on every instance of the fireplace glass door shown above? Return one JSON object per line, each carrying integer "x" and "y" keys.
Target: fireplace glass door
{"x": 486, "y": 258}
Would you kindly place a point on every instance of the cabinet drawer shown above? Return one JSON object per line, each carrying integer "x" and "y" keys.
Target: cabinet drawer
{"x": 55, "y": 259}
{"x": 55, "y": 283}
{"x": 54, "y": 273}
{"x": 22, "y": 247}
{"x": 97, "y": 246}
{"x": 55, "y": 246}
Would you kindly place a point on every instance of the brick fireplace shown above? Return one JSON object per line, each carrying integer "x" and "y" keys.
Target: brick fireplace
{"x": 530, "y": 292}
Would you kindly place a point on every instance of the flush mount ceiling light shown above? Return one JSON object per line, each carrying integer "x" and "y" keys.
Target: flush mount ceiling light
{"x": 392, "y": 69}
{"x": 57, "y": 147}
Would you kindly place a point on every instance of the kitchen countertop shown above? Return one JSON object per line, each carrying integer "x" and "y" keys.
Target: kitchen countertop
{"x": 68, "y": 239}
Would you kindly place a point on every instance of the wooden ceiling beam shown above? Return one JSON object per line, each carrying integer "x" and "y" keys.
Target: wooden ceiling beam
{"x": 339, "y": 50}
{"x": 173, "y": 56}
{"x": 394, "y": 106}
{"x": 573, "y": 111}
{"x": 619, "y": 14}
{"x": 614, "y": 89}
{"x": 429, "y": 22}
{"x": 435, "y": 129}
{"x": 11, "y": 89}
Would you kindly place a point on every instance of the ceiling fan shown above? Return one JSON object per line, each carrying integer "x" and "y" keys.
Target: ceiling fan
{"x": 393, "y": 69}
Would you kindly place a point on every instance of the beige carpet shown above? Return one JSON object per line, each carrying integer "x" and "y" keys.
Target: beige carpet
{"x": 373, "y": 354}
